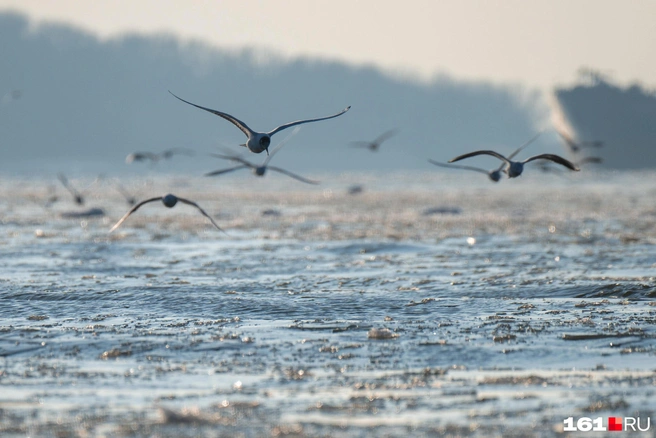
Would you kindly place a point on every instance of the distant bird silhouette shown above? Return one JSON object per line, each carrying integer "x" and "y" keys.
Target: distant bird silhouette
{"x": 258, "y": 141}
{"x": 494, "y": 175}
{"x": 375, "y": 144}
{"x": 79, "y": 200}
{"x": 515, "y": 168}
{"x": 154, "y": 157}
{"x": 131, "y": 200}
{"x": 355, "y": 189}
{"x": 260, "y": 170}
{"x": 169, "y": 153}
{"x": 141, "y": 156}
{"x": 169, "y": 201}
{"x": 576, "y": 147}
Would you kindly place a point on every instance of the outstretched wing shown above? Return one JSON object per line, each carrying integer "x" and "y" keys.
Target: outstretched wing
{"x": 475, "y": 153}
{"x": 569, "y": 141}
{"x": 386, "y": 136}
{"x": 361, "y": 144}
{"x": 236, "y": 158}
{"x": 298, "y": 122}
{"x": 132, "y": 210}
{"x": 238, "y": 123}
{"x": 140, "y": 156}
{"x": 280, "y": 145}
{"x": 521, "y": 148}
{"x": 293, "y": 175}
{"x": 456, "y": 166}
{"x": 590, "y": 160}
{"x": 222, "y": 171}
{"x": 188, "y": 202}
{"x": 555, "y": 158}
{"x": 168, "y": 153}
{"x": 78, "y": 197}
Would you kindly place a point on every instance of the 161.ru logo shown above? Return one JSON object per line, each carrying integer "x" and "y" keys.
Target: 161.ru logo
{"x": 618, "y": 424}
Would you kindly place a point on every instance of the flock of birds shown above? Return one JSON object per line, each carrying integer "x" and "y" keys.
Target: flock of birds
{"x": 258, "y": 142}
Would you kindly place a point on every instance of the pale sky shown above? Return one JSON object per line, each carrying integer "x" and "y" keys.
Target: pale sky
{"x": 538, "y": 43}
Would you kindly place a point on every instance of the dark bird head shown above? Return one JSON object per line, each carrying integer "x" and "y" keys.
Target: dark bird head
{"x": 79, "y": 200}
{"x": 170, "y": 200}
{"x": 265, "y": 141}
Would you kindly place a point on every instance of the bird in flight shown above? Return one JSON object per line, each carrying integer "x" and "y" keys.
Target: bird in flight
{"x": 495, "y": 174}
{"x": 575, "y": 146}
{"x": 169, "y": 201}
{"x": 375, "y": 144}
{"x": 259, "y": 141}
{"x": 153, "y": 157}
{"x": 79, "y": 200}
{"x": 515, "y": 168}
{"x": 260, "y": 170}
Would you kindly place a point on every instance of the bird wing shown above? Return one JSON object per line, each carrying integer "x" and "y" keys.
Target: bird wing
{"x": 280, "y": 145}
{"x": 298, "y": 122}
{"x": 235, "y": 158}
{"x": 555, "y": 158}
{"x": 590, "y": 160}
{"x": 222, "y": 171}
{"x": 123, "y": 192}
{"x": 593, "y": 143}
{"x": 473, "y": 154}
{"x": 132, "y": 210}
{"x": 360, "y": 144}
{"x": 179, "y": 151}
{"x": 386, "y": 135}
{"x": 511, "y": 156}
{"x": 68, "y": 187}
{"x": 238, "y": 123}
{"x": 569, "y": 141}
{"x": 138, "y": 156}
{"x": 456, "y": 166}
{"x": 188, "y": 202}
{"x": 293, "y": 175}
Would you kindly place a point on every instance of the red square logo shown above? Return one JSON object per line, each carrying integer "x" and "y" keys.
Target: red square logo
{"x": 615, "y": 423}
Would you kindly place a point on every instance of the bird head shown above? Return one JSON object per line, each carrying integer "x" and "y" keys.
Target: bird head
{"x": 265, "y": 141}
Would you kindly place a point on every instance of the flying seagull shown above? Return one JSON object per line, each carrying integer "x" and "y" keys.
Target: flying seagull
{"x": 259, "y": 141}
{"x": 153, "y": 157}
{"x": 515, "y": 168}
{"x": 169, "y": 201}
{"x": 576, "y": 147}
{"x": 260, "y": 170}
{"x": 375, "y": 144}
{"x": 79, "y": 200}
{"x": 131, "y": 200}
{"x": 494, "y": 175}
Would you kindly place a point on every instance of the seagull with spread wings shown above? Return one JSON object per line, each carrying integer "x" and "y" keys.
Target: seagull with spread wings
{"x": 375, "y": 144}
{"x": 260, "y": 170}
{"x": 169, "y": 201}
{"x": 515, "y": 168}
{"x": 495, "y": 174}
{"x": 259, "y": 141}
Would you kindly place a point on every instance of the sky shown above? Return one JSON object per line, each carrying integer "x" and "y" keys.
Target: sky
{"x": 536, "y": 43}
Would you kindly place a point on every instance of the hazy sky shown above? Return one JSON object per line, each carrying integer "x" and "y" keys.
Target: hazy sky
{"x": 533, "y": 42}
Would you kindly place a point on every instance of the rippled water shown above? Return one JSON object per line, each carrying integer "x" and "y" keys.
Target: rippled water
{"x": 427, "y": 303}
